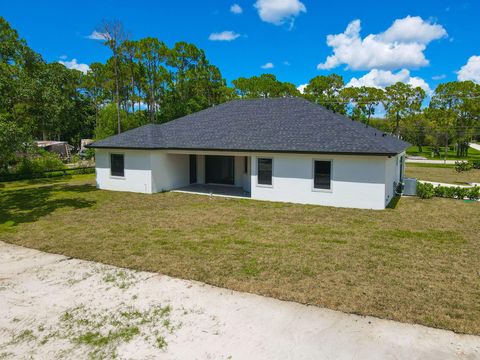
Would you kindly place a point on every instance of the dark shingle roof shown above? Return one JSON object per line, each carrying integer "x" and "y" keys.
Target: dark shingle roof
{"x": 270, "y": 125}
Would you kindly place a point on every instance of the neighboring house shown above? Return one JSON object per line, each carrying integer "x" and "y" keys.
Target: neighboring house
{"x": 281, "y": 149}
{"x": 62, "y": 148}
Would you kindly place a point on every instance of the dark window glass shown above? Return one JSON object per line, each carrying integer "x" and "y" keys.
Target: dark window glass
{"x": 322, "y": 175}
{"x": 265, "y": 171}
{"x": 245, "y": 165}
{"x": 117, "y": 167}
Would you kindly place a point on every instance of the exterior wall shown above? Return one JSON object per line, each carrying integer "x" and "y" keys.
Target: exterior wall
{"x": 169, "y": 171}
{"x": 138, "y": 177}
{"x": 357, "y": 181}
{"x": 393, "y": 175}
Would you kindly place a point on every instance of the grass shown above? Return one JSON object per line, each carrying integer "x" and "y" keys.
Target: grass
{"x": 415, "y": 263}
{"x": 441, "y": 173}
{"x": 451, "y": 154}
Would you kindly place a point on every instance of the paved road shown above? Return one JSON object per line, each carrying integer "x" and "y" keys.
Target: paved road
{"x": 49, "y": 303}
{"x": 418, "y": 161}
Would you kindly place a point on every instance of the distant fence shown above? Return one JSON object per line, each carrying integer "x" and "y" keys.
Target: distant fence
{"x": 48, "y": 174}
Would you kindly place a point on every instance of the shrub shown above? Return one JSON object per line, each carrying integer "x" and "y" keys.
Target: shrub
{"x": 425, "y": 190}
{"x": 474, "y": 193}
{"x": 463, "y": 166}
{"x": 44, "y": 161}
{"x": 476, "y": 164}
{"x": 461, "y": 192}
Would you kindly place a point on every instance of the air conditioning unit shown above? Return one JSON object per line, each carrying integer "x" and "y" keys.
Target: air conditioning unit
{"x": 409, "y": 187}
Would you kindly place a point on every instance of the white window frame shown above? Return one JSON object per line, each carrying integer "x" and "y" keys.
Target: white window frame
{"x": 256, "y": 165}
{"x": 331, "y": 175}
{"x": 110, "y": 165}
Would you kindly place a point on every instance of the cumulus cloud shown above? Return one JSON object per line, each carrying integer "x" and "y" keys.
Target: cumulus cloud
{"x": 301, "y": 88}
{"x": 383, "y": 78}
{"x": 73, "y": 64}
{"x": 402, "y": 45}
{"x": 223, "y": 36}
{"x": 97, "y": 35}
{"x": 470, "y": 71}
{"x": 236, "y": 9}
{"x": 279, "y": 12}
{"x": 268, "y": 65}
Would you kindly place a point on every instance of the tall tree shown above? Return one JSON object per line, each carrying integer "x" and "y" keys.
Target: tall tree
{"x": 264, "y": 86}
{"x": 402, "y": 100}
{"x": 459, "y": 101}
{"x": 325, "y": 91}
{"x": 114, "y": 36}
{"x": 364, "y": 101}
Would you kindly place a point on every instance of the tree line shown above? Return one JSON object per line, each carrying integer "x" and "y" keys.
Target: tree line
{"x": 146, "y": 81}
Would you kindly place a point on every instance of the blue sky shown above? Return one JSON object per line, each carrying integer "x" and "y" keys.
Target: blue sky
{"x": 429, "y": 43}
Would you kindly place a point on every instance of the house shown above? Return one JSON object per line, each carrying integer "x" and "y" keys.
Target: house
{"x": 62, "y": 148}
{"x": 280, "y": 149}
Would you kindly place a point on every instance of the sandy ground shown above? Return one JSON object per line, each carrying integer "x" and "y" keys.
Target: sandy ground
{"x": 55, "y": 307}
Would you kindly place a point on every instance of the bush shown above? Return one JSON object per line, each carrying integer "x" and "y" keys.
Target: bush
{"x": 463, "y": 166}
{"x": 474, "y": 193}
{"x": 476, "y": 164}
{"x": 425, "y": 190}
{"x": 43, "y": 162}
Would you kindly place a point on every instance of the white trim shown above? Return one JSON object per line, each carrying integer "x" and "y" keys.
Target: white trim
{"x": 256, "y": 164}
{"x": 314, "y": 189}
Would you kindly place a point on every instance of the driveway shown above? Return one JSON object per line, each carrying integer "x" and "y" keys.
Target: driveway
{"x": 52, "y": 306}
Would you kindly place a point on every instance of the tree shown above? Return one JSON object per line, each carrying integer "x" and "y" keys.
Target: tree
{"x": 264, "y": 86}
{"x": 12, "y": 140}
{"x": 460, "y": 102}
{"x": 114, "y": 36}
{"x": 325, "y": 91}
{"x": 364, "y": 101}
{"x": 402, "y": 100}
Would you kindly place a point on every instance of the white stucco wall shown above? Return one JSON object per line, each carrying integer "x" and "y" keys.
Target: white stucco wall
{"x": 169, "y": 171}
{"x": 138, "y": 177}
{"x": 357, "y": 181}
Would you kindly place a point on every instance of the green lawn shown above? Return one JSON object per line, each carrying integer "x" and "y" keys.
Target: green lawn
{"x": 451, "y": 154}
{"x": 418, "y": 262}
{"x": 441, "y": 173}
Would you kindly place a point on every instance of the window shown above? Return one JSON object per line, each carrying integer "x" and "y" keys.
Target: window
{"x": 117, "y": 165}
{"x": 264, "y": 171}
{"x": 322, "y": 174}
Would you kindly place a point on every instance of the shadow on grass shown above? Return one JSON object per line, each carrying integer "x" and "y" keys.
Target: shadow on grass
{"x": 394, "y": 202}
{"x": 29, "y": 205}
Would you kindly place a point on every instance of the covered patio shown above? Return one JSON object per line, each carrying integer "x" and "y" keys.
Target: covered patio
{"x": 215, "y": 190}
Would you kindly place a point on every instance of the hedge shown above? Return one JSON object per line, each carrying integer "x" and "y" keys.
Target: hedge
{"x": 427, "y": 191}
{"x": 47, "y": 174}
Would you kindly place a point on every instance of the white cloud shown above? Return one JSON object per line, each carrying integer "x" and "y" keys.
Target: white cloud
{"x": 73, "y": 64}
{"x": 223, "y": 36}
{"x": 96, "y": 35}
{"x": 439, "y": 77}
{"x": 63, "y": 57}
{"x": 383, "y": 78}
{"x": 268, "y": 65}
{"x": 279, "y": 12}
{"x": 402, "y": 45}
{"x": 470, "y": 71}
{"x": 236, "y": 9}
{"x": 301, "y": 88}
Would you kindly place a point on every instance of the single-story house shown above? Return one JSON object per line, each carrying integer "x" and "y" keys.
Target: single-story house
{"x": 278, "y": 149}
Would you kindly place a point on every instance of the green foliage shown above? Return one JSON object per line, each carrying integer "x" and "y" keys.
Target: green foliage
{"x": 476, "y": 164}
{"x": 44, "y": 161}
{"x": 425, "y": 190}
{"x": 325, "y": 91}
{"x": 12, "y": 140}
{"x": 263, "y": 86}
{"x": 463, "y": 166}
